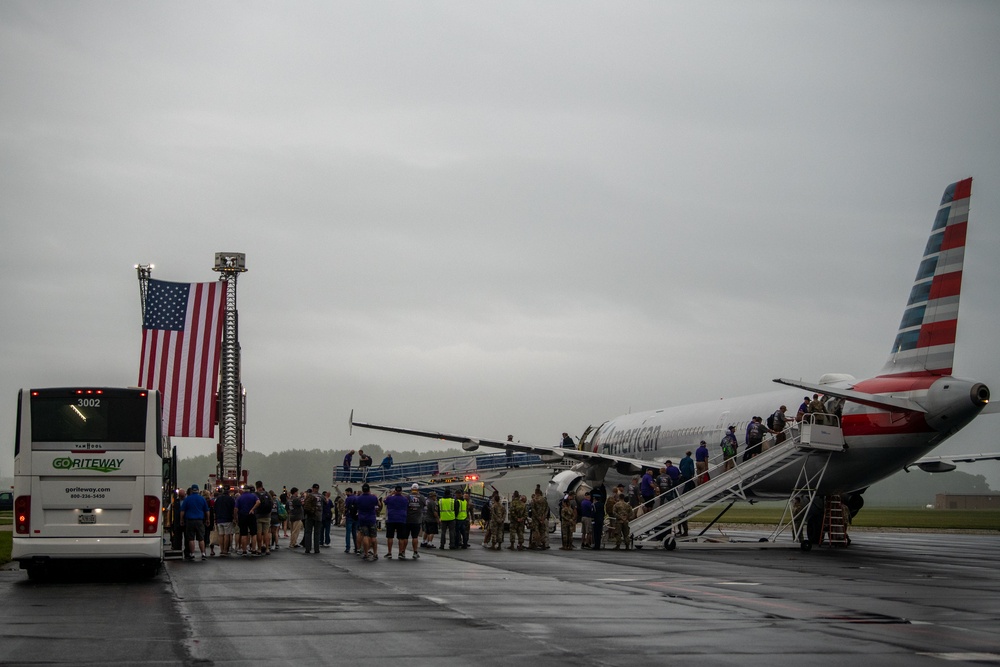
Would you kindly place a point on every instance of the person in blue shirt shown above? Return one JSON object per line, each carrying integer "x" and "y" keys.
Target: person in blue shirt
{"x": 701, "y": 463}
{"x": 395, "y": 520}
{"x": 194, "y": 511}
{"x": 368, "y": 508}
{"x": 351, "y": 521}
{"x": 648, "y": 489}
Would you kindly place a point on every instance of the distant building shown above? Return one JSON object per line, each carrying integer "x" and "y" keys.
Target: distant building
{"x": 966, "y": 501}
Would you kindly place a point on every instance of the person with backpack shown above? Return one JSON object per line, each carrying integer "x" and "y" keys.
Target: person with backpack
{"x": 729, "y": 445}
{"x": 263, "y": 514}
{"x": 754, "y": 438}
{"x": 312, "y": 511}
{"x": 776, "y": 423}
{"x": 327, "y": 519}
{"x": 276, "y": 519}
{"x": 294, "y": 517}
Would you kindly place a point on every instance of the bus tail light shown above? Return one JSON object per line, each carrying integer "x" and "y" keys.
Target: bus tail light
{"x": 22, "y": 514}
{"x": 151, "y": 514}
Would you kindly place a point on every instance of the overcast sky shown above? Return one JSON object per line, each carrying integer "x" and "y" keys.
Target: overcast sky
{"x": 492, "y": 218}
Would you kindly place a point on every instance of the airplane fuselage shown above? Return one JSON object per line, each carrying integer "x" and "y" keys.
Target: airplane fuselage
{"x": 879, "y": 443}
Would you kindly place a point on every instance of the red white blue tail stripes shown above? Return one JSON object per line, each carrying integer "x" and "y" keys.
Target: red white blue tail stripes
{"x": 925, "y": 343}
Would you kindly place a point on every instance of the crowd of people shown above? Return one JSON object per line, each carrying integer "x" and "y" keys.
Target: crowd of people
{"x": 254, "y": 521}
{"x": 249, "y": 522}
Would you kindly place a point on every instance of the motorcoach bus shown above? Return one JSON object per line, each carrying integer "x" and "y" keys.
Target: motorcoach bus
{"x": 88, "y": 478}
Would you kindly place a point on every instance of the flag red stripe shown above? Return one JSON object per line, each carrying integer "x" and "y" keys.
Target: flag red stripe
{"x": 184, "y": 365}
{"x": 190, "y": 389}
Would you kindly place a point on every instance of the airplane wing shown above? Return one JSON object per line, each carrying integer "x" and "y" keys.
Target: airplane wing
{"x": 891, "y": 403}
{"x": 947, "y": 463}
{"x": 624, "y": 465}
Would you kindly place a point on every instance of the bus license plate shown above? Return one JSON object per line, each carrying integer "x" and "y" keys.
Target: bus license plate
{"x": 88, "y": 518}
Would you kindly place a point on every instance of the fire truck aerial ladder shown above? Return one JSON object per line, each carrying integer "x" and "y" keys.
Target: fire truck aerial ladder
{"x": 231, "y": 400}
{"x": 231, "y": 410}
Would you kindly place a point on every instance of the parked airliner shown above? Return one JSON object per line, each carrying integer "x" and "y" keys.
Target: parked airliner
{"x": 889, "y": 421}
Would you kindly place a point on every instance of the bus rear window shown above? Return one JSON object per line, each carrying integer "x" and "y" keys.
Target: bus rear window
{"x": 118, "y": 417}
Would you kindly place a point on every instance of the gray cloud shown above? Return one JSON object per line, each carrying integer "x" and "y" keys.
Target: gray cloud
{"x": 523, "y": 218}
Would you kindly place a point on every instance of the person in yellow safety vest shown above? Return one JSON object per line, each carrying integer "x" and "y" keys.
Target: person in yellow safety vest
{"x": 461, "y": 523}
{"x": 447, "y": 506}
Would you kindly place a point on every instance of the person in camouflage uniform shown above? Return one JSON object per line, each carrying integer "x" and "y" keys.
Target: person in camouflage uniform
{"x": 539, "y": 527}
{"x": 567, "y": 521}
{"x": 497, "y": 516}
{"x": 622, "y": 512}
{"x": 517, "y": 512}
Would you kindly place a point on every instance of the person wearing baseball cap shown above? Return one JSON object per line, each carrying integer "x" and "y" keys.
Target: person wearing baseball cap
{"x": 416, "y": 506}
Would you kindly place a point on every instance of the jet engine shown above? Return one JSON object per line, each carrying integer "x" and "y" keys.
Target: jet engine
{"x": 563, "y": 483}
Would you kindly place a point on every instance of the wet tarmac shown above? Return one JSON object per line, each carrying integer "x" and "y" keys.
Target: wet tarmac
{"x": 889, "y": 599}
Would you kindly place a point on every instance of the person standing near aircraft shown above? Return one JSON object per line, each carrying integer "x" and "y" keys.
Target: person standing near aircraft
{"x": 364, "y": 463}
{"x": 567, "y": 442}
{"x": 368, "y": 508}
{"x": 539, "y": 519}
{"x": 347, "y": 462}
{"x": 497, "y": 515}
{"x": 598, "y": 533}
{"x": 414, "y": 513}
{"x": 447, "y": 510}
{"x": 432, "y": 514}
{"x": 395, "y": 520}
{"x": 351, "y": 521}
{"x": 701, "y": 463}
{"x": 728, "y": 445}
{"x": 587, "y": 521}
{"x": 567, "y": 522}
{"x": 622, "y": 512}
{"x": 463, "y": 519}
{"x": 518, "y": 512}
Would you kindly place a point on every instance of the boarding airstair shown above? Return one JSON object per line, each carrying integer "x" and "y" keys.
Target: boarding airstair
{"x": 802, "y": 443}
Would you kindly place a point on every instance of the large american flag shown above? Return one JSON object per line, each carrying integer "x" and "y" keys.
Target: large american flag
{"x": 181, "y": 340}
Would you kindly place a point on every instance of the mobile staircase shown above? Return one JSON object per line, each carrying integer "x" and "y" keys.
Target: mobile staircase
{"x": 803, "y": 442}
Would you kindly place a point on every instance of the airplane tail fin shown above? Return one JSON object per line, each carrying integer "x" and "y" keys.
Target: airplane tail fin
{"x": 925, "y": 342}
